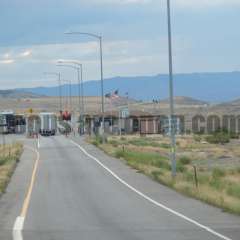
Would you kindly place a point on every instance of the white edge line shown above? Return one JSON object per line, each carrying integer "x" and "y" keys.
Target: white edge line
{"x": 208, "y": 229}
{"x": 17, "y": 228}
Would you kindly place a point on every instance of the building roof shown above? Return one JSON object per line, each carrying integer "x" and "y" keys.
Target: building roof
{"x": 115, "y": 114}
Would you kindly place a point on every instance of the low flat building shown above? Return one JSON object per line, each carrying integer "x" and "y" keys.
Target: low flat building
{"x": 136, "y": 122}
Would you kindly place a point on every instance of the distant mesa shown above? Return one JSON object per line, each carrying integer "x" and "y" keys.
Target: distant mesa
{"x": 235, "y": 102}
{"x": 210, "y": 87}
{"x": 18, "y": 94}
{"x": 182, "y": 100}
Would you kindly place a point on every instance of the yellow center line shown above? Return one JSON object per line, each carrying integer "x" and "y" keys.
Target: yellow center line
{"x": 29, "y": 193}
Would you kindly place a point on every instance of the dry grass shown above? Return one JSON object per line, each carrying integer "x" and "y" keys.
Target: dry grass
{"x": 9, "y": 156}
{"x": 218, "y": 182}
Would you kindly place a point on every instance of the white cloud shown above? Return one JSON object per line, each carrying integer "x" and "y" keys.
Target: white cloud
{"x": 7, "y": 61}
{"x": 121, "y": 58}
{"x": 26, "y": 53}
{"x": 114, "y": 2}
{"x": 205, "y": 3}
{"x": 179, "y": 3}
{"x": 6, "y": 55}
{"x": 8, "y": 58}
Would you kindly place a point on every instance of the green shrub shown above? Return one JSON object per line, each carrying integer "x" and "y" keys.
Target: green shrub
{"x": 180, "y": 167}
{"x": 142, "y": 142}
{"x": 234, "y": 135}
{"x": 139, "y": 142}
{"x": 155, "y": 174}
{"x": 188, "y": 190}
{"x": 234, "y": 190}
{"x": 197, "y": 138}
{"x": 3, "y": 160}
{"x": 165, "y": 145}
{"x": 114, "y": 143}
{"x": 218, "y": 137}
{"x": 95, "y": 142}
{"x": 145, "y": 158}
{"x": 218, "y": 173}
{"x": 203, "y": 178}
{"x": 162, "y": 164}
{"x": 119, "y": 154}
{"x": 99, "y": 139}
{"x": 216, "y": 183}
{"x": 188, "y": 132}
{"x": 185, "y": 160}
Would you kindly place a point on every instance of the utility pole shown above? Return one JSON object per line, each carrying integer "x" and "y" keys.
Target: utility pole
{"x": 102, "y": 90}
{"x": 172, "y": 127}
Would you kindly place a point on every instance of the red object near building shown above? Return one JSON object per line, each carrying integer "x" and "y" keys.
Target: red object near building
{"x": 66, "y": 116}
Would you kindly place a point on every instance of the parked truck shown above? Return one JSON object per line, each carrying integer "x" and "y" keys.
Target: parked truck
{"x": 7, "y": 122}
{"x": 48, "y": 124}
{"x": 20, "y": 123}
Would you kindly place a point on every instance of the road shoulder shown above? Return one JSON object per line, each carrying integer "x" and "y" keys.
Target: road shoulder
{"x": 11, "y": 201}
{"x": 222, "y": 222}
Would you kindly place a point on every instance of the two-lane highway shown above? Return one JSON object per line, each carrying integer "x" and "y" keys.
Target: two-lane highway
{"x": 74, "y": 197}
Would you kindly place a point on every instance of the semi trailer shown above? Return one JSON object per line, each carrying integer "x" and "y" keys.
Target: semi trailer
{"x": 20, "y": 123}
{"x": 48, "y": 124}
{"x": 7, "y": 122}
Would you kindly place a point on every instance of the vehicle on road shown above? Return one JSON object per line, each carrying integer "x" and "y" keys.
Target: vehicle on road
{"x": 20, "y": 123}
{"x": 7, "y": 122}
{"x": 48, "y": 124}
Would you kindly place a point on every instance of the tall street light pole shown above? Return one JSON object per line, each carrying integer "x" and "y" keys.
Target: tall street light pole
{"x": 172, "y": 125}
{"x": 101, "y": 66}
{"x": 58, "y": 74}
{"x": 79, "y": 69}
{"x": 70, "y": 93}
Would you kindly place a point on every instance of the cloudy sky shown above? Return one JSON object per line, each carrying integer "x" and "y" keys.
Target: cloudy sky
{"x": 206, "y": 38}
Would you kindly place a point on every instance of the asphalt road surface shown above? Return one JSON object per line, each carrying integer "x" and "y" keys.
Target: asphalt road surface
{"x": 78, "y": 196}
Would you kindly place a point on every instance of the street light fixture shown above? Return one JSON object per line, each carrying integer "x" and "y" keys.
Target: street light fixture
{"x": 101, "y": 66}
{"x": 81, "y": 103}
{"x": 58, "y": 74}
{"x": 172, "y": 125}
{"x": 79, "y": 69}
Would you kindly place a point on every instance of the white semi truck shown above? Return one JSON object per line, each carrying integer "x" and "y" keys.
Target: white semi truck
{"x": 48, "y": 124}
{"x": 7, "y": 121}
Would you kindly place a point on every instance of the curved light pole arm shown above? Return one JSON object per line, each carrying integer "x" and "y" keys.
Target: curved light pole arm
{"x": 101, "y": 65}
{"x": 83, "y": 33}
